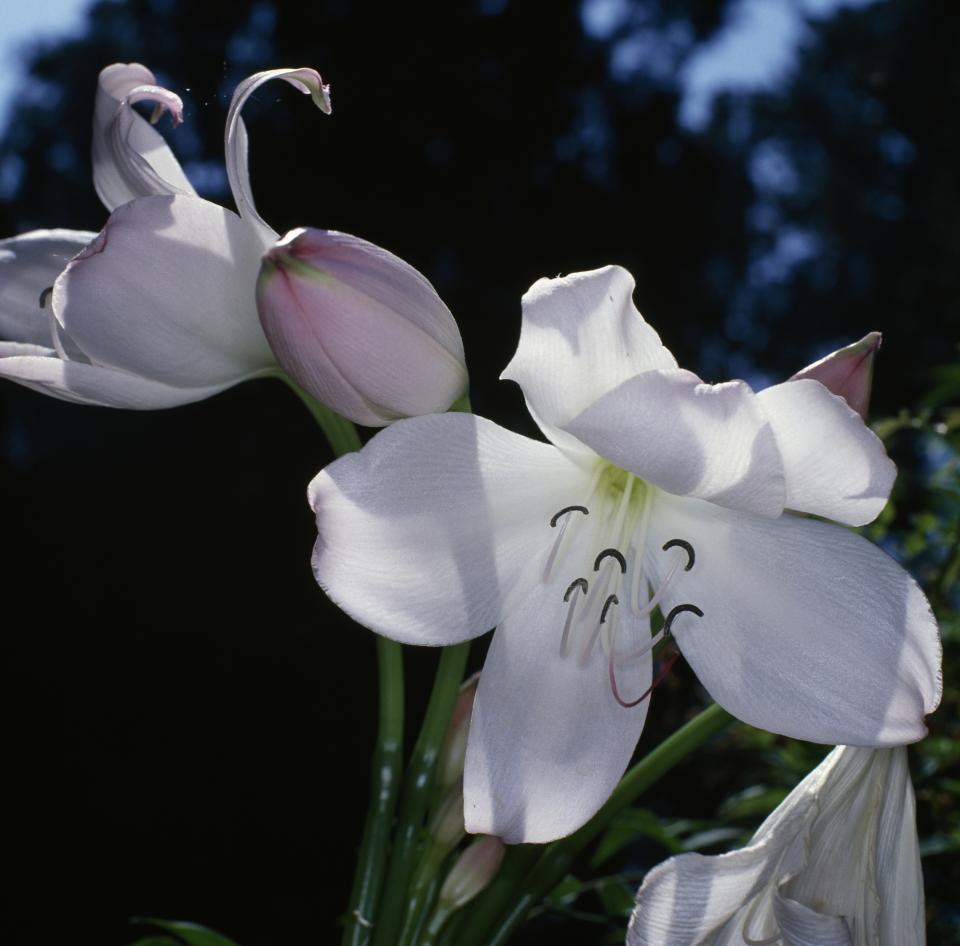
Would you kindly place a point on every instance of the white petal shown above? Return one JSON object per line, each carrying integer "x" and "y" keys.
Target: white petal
{"x": 801, "y": 925}
{"x": 808, "y": 630}
{"x": 581, "y": 337}
{"x": 864, "y": 858}
{"x": 307, "y": 81}
{"x": 834, "y": 465}
{"x": 689, "y": 438}
{"x": 166, "y": 291}
{"x": 29, "y": 265}
{"x": 424, "y": 532}
{"x": 692, "y": 899}
{"x": 900, "y": 881}
{"x": 41, "y": 369}
{"x": 548, "y": 742}
{"x": 130, "y": 158}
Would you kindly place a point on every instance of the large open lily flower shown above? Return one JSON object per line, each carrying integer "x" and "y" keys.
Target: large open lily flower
{"x": 656, "y": 490}
{"x": 836, "y": 864}
{"x": 159, "y": 308}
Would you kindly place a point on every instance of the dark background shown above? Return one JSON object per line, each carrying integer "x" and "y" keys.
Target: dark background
{"x": 189, "y": 720}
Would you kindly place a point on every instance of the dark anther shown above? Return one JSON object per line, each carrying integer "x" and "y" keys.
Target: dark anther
{"x": 564, "y": 511}
{"x": 577, "y": 582}
{"x": 679, "y": 609}
{"x": 686, "y": 546}
{"x": 45, "y": 295}
{"x": 611, "y": 553}
{"x": 611, "y": 600}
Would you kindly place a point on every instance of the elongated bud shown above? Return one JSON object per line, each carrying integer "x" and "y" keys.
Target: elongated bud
{"x": 474, "y": 870}
{"x": 847, "y": 372}
{"x": 358, "y": 328}
{"x": 446, "y": 826}
{"x": 450, "y": 768}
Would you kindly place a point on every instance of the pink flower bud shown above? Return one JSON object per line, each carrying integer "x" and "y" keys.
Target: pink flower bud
{"x": 450, "y": 767}
{"x": 358, "y": 328}
{"x": 474, "y": 870}
{"x": 847, "y": 372}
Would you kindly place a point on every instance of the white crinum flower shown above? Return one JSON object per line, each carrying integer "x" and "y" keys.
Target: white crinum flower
{"x": 836, "y": 864}
{"x": 158, "y": 309}
{"x": 656, "y": 490}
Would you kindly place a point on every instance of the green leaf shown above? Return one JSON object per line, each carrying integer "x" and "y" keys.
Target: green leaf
{"x": 184, "y": 933}
{"x": 617, "y": 899}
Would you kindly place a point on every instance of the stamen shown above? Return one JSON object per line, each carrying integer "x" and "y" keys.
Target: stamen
{"x": 611, "y": 553}
{"x": 655, "y": 599}
{"x": 576, "y": 583}
{"x": 556, "y": 515}
{"x": 679, "y": 609}
{"x": 580, "y": 583}
{"x": 665, "y": 631}
{"x": 45, "y": 296}
{"x": 686, "y": 546}
{"x": 611, "y": 600}
{"x": 558, "y": 542}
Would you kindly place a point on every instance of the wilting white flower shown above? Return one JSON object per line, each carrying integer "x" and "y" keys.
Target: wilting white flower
{"x": 656, "y": 490}
{"x": 358, "y": 328}
{"x": 836, "y": 864}
{"x": 158, "y": 309}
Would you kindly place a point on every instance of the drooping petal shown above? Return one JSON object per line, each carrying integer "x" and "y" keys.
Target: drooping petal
{"x": 358, "y": 328}
{"x": 581, "y": 337}
{"x": 801, "y": 925}
{"x": 428, "y": 552}
{"x": 166, "y": 291}
{"x": 834, "y": 465}
{"x": 864, "y": 862}
{"x": 41, "y": 369}
{"x": 305, "y": 80}
{"x": 130, "y": 158}
{"x": 808, "y": 629}
{"x": 710, "y": 441}
{"x": 29, "y": 265}
{"x": 548, "y": 742}
{"x": 695, "y": 900}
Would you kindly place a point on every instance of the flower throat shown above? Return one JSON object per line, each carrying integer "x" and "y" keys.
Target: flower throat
{"x": 615, "y": 520}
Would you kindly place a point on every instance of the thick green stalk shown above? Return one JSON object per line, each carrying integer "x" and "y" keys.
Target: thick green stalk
{"x": 501, "y": 909}
{"x": 416, "y": 795}
{"x": 387, "y": 760}
{"x": 387, "y": 767}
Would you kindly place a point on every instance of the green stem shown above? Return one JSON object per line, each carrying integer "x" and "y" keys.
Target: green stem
{"x": 500, "y": 910}
{"x": 387, "y": 766}
{"x": 340, "y": 433}
{"x": 387, "y": 760}
{"x": 416, "y": 794}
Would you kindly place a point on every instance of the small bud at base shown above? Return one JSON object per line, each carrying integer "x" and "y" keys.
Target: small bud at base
{"x": 474, "y": 870}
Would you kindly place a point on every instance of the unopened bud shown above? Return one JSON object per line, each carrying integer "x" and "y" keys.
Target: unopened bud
{"x": 359, "y": 329}
{"x": 450, "y": 768}
{"x": 474, "y": 870}
{"x": 847, "y": 372}
{"x": 446, "y": 826}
